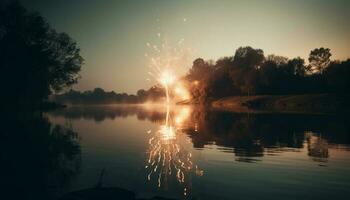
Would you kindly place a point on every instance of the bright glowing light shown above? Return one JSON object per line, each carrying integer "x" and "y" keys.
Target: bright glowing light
{"x": 181, "y": 92}
{"x": 182, "y": 116}
{"x": 167, "y": 133}
{"x": 164, "y": 61}
{"x": 166, "y": 78}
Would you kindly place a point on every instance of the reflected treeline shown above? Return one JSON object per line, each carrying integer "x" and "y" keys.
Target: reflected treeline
{"x": 100, "y": 113}
{"x": 317, "y": 147}
{"x": 38, "y": 159}
{"x": 248, "y": 136}
{"x": 253, "y": 135}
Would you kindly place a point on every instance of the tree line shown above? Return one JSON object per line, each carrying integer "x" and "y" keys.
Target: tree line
{"x": 96, "y": 96}
{"x": 36, "y": 61}
{"x": 100, "y": 96}
{"x": 250, "y": 72}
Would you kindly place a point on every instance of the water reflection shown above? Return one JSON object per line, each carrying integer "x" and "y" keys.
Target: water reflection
{"x": 253, "y": 135}
{"x": 317, "y": 147}
{"x": 252, "y": 151}
{"x": 168, "y": 156}
{"x": 101, "y": 113}
{"x": 248, "y": 136}
{"x": 38, "y": 159}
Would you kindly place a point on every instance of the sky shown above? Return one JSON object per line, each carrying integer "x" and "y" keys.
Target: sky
{"x": 113, "y": 34}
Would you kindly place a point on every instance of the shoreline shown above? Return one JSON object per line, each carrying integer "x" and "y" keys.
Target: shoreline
{"x": 309, "y": 103}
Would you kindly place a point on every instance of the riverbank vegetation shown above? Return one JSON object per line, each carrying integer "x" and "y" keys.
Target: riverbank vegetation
{"x": 249, "y": 72}
{"x": 35, "y": 59}
{"x": 310, "y": 103}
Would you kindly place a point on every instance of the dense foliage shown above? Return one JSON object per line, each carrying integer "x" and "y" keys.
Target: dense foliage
{"x": 249, "y": 72}
{"x": 34, "y": 59}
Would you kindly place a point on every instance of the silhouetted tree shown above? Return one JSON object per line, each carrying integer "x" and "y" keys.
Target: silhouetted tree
{"x": 199, "y": 75}
{"x": 298, "y": 66}
{"x": 338, "y": 76}
{"x": 249, "y": 72}
{"x": 247, "y": 57}
{"x": 200, "y": 70}
{"x": 279, "y": 60}
{"x": 319, "y": 59}
{"x": 242, "y": 72}
{"x": 35, "y": 60}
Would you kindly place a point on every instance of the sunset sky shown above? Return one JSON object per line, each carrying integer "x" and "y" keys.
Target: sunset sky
{"x": 113, "y": 34}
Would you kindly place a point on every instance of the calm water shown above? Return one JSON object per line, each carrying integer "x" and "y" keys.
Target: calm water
{"x": 178, "y": 152}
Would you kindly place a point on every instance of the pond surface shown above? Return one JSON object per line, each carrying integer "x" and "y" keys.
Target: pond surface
{"x": 177, "y": 152}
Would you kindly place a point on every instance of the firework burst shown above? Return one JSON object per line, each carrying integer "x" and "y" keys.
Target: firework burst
{"x": 164, "y": 62}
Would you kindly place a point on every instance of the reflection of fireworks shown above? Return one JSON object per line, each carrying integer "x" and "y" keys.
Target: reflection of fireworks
{"x": 167, "y": 157}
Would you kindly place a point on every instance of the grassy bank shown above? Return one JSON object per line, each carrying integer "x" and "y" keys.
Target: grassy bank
{"x": 321, "y": 103}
